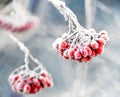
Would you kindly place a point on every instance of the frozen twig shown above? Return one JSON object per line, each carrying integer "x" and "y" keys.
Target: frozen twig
{"x": 69, "y": 16}
{"x": 27, "y": 53}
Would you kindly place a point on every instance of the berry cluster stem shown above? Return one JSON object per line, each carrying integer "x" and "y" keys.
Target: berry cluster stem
{"x": 73, "y": 24}
{"x": 27, "y": 53}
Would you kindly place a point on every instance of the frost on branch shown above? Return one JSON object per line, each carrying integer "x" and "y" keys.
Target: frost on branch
{"x": 15, "y": 18}
{"x": 79, "y": 43}
{"x": 23, "y": 80}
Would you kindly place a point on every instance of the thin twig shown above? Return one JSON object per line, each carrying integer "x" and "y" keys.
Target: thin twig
{"x": 27, "y": 53}
{"x": 68, "y": 15}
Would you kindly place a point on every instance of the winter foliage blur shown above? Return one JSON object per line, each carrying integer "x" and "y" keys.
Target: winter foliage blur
{"x": 99, "y": 78}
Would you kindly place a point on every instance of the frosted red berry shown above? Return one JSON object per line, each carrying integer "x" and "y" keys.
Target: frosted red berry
{"x": 66, "y": 55}
{"x": 27, "y": 89}
{"x": 84, "y": 52}
{"x": 78, "y": 55}
{"x": 71, "y": 53}
{"x": 100, "y": 50}
{"x": 101, "y": 41}
{"x": 86, "y": 59}
{"x": 63, "y": 45}
{"x": 94, "y": 44}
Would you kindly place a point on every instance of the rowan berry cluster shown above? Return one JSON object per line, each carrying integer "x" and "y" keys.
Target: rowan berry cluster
{"x": 16, "y": 25}
{"x": 29, "y": 82}
{"x": 14, "y": 17}
{"x": 81, "y": 46}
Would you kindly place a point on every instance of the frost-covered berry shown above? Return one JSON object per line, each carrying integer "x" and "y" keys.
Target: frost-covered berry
{"x": 27, "y": 89}
{"x": 63, "y": 45}
{"x": 84, "y": 52}
{"x": 78, "y": 55}
{"x": 89, "y": 50}
{"x": 101, "y": 41}
{"x": 94, "y": 44}
{"x": 100, "y": 50}
{"x": 71, "y": 53}
{"x": 104, "y": 35}
{"x": 65, "y": 54}
{"x": 93, "y": 54}
{"x": 86, "y": 59}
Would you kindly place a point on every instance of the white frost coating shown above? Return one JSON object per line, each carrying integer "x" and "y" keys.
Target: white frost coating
{"x": 28, "y": 55}
{"x": 69, "y": 16}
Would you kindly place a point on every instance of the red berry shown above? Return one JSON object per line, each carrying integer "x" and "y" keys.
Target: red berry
{"x": 36, "y": 82}
{"x": 65, "y": 54}
{"x": 25, "y": 80}
{"x": 49, "y": 84}
{"x": 86, "y": 59}
{"x": 39, "y": 88}
{"x": 84, "y": 52}
{"x": 80, "y": 60}
{"x": 20, "y": 86}
{"x": 43, "y": 73}
{"x": 100, "y": 50}
{"x": 75, "y": 47}
{"x": 71, "y": 53}
{"x": 61, "y": 51}
{"x": 49, "y": 81}
{"x": 78, "y": 55}
{"x": 27, "y": 89}
{"x": 101, "y": 41}
{"x": 104, "y": 35}
{"x": 42, "y": 81}
{"x": 88, "y": 45}
{"x": 63, "y": 45}
{"x": 94, "y": 45}
{"x": 25, "y": 27}
{"x": 89, "y": 50}
{"x": 29, "y": 25}
{"x": 15, "y": 78}
{"x": 103, "y": 32}
{"x": 93, "y": 54}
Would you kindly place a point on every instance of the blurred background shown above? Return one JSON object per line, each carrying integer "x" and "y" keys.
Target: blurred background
{"x": 99, "y": 78}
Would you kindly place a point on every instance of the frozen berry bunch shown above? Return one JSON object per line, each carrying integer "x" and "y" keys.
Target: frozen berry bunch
{"x": 81, "y": 46}
{"x": 29, "y": 82}
{"x": 15, "y": 18}
{"x": 17, "y": 25}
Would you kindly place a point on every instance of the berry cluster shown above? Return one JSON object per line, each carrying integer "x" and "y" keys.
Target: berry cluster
{"x": 81, "y": 46}
{"x": 17, "y": 25}
{"x": 29, "y": 82}
{"x": 14, "y": 17}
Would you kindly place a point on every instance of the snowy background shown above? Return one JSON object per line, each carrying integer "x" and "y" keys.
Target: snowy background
{"x": 99, "y": 78}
